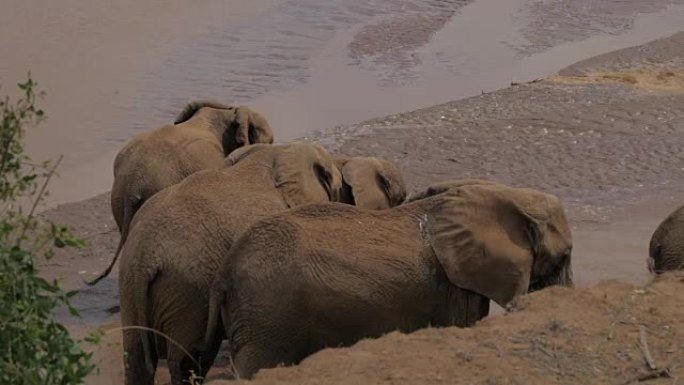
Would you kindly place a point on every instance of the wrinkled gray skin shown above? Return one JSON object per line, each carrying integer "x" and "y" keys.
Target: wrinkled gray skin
{"x": 295, "y": 283}
{"x": 179, "y": 236}
{"x": 666, "y": 249}
{"x": 202, "y": 135}
{"x": 370, "y": 182}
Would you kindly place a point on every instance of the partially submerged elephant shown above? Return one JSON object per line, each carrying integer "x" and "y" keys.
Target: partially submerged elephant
{"x": 179, "y": 236}
{"x": 370, "y": 182}
{"x": 666, "y": 249}
{"x": 202, "y": 135}
{"x": 330, "y": 274}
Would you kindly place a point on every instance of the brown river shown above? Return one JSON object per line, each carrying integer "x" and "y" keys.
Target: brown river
{"x": 113, "y": 69}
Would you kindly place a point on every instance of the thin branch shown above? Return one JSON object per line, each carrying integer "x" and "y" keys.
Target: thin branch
{"x": 38, "y": 200}
{"x": 165, "y": 336}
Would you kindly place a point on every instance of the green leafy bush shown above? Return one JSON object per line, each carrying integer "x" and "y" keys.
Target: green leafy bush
{"x": 34, "y": 347}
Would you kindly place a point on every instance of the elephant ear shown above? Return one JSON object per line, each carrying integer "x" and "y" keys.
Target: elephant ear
{"x": 372, "y": 183}
{"x": 341, "y": 160}
{"x": 480, "y": 237}
{"x": 249, "y": 127}
{"x": 305, "y": 173}
{"x": 191, "y": 109}
{"x": 243, "y": 152}
{"x": 442, "y": 187}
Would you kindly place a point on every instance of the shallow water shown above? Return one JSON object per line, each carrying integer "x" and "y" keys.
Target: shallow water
{"x": 112, "y": 70}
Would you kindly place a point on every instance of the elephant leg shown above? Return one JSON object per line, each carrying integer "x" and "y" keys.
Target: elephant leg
{"x": 181, "y": 366}
{"x": 181, "y": 309}
{"x": 259, "y": 341}
{"x": 137, "y": 367}
{"x": 253, "y": 357}
{"x": 208, "y": 356}
{"x": 187, "y": 328}
{"x": 182, "y": 370}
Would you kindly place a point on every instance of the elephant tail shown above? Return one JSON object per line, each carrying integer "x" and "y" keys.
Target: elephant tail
{"x": 214, "y": 324}
{"x": 129, "y": 205}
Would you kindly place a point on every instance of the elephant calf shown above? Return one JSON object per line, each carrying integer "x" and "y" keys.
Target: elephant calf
{"x": 179, "y": 236}
{"x": 202, "y": 135}
{"x": 331, "y": 274}
{"x": 666, "y": 249}
{"x": 370, "y": 182}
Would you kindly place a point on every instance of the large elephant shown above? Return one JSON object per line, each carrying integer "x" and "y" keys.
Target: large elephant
{"x": 202, "y": 135}
{"x": 666, "y": 249}
{"x": 329, "y": 275}
{"x": 370, "y": 182}
{"x": 179, "y": 236}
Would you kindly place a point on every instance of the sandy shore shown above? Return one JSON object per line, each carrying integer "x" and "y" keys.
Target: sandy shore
{"x": 605, "y": 134}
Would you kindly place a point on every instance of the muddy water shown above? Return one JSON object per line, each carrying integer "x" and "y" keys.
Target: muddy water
{"x": 112, "y": 70}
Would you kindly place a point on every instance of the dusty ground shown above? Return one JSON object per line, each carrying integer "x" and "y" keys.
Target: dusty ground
{"x": 606, "y": 135}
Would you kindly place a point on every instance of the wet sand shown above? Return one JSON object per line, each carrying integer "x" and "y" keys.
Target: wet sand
{"x": 112, "y": 70}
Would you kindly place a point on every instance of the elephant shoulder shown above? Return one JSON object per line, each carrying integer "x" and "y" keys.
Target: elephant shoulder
{"x": 276, "y": 238}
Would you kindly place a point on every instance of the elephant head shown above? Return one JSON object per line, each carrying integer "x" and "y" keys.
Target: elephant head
{"x": 238, "y": 126}
{"x": 370, "y": 182}
{"x": 499, "y": 241}
{"x": 303, "y": 173}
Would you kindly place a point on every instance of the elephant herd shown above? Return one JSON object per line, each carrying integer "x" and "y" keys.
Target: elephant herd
{"x": 285, "y": 249}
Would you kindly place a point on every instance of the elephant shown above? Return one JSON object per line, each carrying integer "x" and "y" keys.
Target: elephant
{"x": 666, "y": 249}
{"x": 328, "y": 275}
{"x": 370, "y": 182}
{"x": 201, "y": 136}
{"x": 179, "y": 236}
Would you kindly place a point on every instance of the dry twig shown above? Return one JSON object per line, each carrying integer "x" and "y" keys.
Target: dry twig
{"x": 643, "y": 343}
{"x": 651, "y": 375}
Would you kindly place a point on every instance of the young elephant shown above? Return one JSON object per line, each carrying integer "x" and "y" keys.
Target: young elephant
{"x": 370, "y": 182}
{"x": 202, "y": 135}
{"x": 329, "y": 275}
{"x": 178, "y": 237}
{"x": 666, "y": 249}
